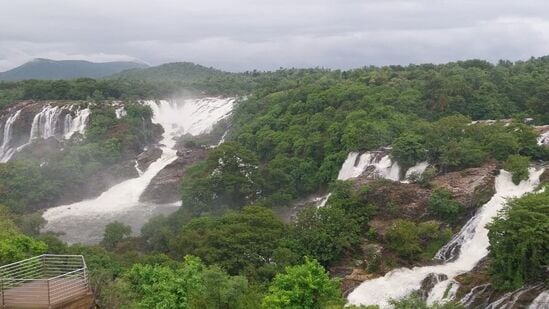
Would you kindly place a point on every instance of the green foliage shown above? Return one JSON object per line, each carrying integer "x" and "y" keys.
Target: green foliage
{"x": 114, "y": 233}
{"x": 30, "y": 224}
{"x": 162, "y": 287}
{"x": 412, "y": 241}
{"x": 325, "y": 233}
{"x": 245, "y": 242}
{"x": 519, "y": 242}
{"x": 190, "y": 285}
{"x": 443, "y": 205}
{"x": 408, "y": 149}
{"x": 227, "y": 179}
{"x": 518, "y": 166}
{"x": 303, "y": 286}
{"x": 14, "y": 245}
{"x": 23, "y": 183}
{"x": 462, "y": 154}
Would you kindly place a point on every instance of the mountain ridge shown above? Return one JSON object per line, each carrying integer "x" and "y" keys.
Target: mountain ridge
{"x": 173, "y": 71}
{"x": 48, "y": 69}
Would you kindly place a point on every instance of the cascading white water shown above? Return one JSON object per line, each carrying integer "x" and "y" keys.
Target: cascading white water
{"x": 44, "y": 123}
{"x": 120, "y": 112}
{"x": 541, "y": 301}
{"x": 76, "y": 124}
{"x": 6, "y": 151}
{"x": 401, "y": 282}
{"x": 85, "y": 221}
{"x": 357, "y": 163}
{"x": 381, "y": 164}
{"x": 417, "y": 169}
{"x": 543, "y": 139}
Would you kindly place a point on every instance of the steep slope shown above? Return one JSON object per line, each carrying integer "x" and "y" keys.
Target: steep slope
{"x": 66, "y": 69}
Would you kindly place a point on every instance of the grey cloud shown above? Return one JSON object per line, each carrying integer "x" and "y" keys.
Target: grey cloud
{"x": 248, "y": 34}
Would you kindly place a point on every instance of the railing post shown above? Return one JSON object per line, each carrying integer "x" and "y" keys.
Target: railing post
{"x": 49, "y": 297}
{"x": 2, "y": 291}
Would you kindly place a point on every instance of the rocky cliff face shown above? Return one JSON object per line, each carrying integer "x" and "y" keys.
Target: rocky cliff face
{"x": 471, "y": 187}
{"x": 165, "y": 187}
{"x": 397, "y": 200}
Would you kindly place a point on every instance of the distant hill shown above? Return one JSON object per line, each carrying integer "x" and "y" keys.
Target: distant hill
{"x": 67, "y": 69}
{"x": 177, "y": 71}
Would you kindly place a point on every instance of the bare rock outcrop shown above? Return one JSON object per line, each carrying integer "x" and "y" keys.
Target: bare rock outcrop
{"x": 471, "y": 187}
{"x": 165, "y": 186}
{"x": 147, "y": 157}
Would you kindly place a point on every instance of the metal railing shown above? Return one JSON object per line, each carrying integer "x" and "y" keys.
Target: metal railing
{"x": 43, "y": 281}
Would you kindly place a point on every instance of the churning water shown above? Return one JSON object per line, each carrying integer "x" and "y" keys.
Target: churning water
{"x": 84, "y": 222}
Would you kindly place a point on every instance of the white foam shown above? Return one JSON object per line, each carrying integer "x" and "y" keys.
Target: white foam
{"x": 402, "y": 281}
{"x": 84, "y": 221}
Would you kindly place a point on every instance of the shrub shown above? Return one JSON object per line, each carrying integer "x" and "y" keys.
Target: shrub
{"x": 304, "y": 286}
{"x": 518, "y": 166}
{"x": 443, "y": 205}
{"x": 519, "y": 239}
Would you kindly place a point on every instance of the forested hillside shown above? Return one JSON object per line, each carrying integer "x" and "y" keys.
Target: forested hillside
{"x": 228, "y": 245}
{"x": 47, "y": 69}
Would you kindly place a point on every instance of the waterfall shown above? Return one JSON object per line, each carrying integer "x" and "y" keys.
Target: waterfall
{"x": 120, "y": 112}
{"x": 417, "y": 169}
{"x": 85, "y": 221}
{"x": 380, "y": 166}
{"x": 379, "y": 163}
{"x": 5, "y": 150}
{"x": 473, "y": 247}
{"x": 76, "y": 124}
{"x": 44, "y": 123}
{"x": 541, "y": 301}
{"x": 357, "y": 163}
{"x": 543, "y": 139}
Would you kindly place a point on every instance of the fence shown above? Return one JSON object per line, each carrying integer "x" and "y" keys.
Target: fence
{"x": 44, "y": 281}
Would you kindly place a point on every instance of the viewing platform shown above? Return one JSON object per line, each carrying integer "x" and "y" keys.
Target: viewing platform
{"x": 45, "y": 281}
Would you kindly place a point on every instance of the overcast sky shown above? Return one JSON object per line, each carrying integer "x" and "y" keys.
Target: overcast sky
{"x": 268, "y": 34}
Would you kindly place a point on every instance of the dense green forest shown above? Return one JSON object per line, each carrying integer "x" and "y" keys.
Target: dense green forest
{"x": 227, "y": 248}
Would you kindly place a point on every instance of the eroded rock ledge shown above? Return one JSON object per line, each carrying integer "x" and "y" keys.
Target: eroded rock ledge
{"x": 165, "y": 187}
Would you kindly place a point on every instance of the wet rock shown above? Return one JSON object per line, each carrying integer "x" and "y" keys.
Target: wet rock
{"x": 471, "y": 187}
{"x": 398, "y": 200}
{"x": 354, "y": 279}
{"x": 475, "y": 290}
{"x": 485, "y": 296}
{"x": 165, "y": 186}
{"x": 545, "y": 176}
{"x": 429, "y": 283}
{"x": 147, "y": 157}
